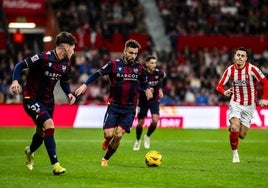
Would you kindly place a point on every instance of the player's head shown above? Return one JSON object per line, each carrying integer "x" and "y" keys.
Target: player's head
{"x": 150, "y": 63}
{"x": 131, "y": 50}
{"x": 65, "y": 38}
{"x": 240, "y": 56}
{"x": 66, "y": 41}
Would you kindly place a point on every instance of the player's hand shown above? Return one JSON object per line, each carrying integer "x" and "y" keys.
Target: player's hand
{"x": 15, "y": 87}
{"x": 81, "y": 90}
{"x": 228, "y": 92}
{"x": 263, "y": 103}
{"x": 72, "y": 98}
{"x": 161, "y": 94}
{"x": 149, "y": 94}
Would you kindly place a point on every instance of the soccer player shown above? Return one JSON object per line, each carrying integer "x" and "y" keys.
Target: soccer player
{"x": 126, "y": 75}
{"x": 244, "y": 78}
{"x": 44, "y": 70}
{"x": 156, "y": 78}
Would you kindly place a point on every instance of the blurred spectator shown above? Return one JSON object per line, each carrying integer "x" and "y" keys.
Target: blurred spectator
{"x": 202, "y": 98}
{"x": 192, "y": 75}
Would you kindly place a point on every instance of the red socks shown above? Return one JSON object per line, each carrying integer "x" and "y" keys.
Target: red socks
{"x": 234, "y": 140}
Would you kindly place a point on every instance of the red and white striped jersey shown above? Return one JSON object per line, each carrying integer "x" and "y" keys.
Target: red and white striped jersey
{"x": 244, "y": 82}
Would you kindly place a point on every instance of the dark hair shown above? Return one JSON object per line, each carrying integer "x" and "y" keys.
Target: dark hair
{"x": 149, "y": 57}
{"x": 242, "y": 49}
{"x": 65, "y": 37}
{"x": 132, "y": 44}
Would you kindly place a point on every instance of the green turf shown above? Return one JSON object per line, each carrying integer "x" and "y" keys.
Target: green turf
{"x": 191, "y": 158}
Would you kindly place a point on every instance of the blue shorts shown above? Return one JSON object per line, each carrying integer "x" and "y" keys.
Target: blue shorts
{"x": 38, "y": 111}
{"x": 153, "y": 106}
{"x": 117, "y": 116}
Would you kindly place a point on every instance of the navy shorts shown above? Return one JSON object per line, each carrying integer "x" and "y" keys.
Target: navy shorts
{"x": 117, "y": 116}
{"x": 38, "y": 111}
{"x": 153, "y": 106}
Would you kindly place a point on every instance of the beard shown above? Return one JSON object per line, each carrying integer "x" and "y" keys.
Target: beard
{"x": 130, "y": 60}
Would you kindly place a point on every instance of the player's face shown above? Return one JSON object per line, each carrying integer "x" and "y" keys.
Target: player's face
{"x": 69, "y": 50}
{"x": 131, "y": 54}
{"x": 151, "y": 65}
{"x": 240, "y": 58}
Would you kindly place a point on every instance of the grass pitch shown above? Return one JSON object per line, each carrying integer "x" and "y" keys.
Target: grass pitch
{"x": 191, "y": 158}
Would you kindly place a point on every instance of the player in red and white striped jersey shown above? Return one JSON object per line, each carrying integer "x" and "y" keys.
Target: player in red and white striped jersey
{"x": 244, "y": 78}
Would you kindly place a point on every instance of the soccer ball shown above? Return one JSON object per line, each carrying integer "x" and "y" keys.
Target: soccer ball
{"x": 153, "y": 159}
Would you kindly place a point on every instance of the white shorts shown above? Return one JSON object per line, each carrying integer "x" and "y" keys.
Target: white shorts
{"x": 243, "y": 112}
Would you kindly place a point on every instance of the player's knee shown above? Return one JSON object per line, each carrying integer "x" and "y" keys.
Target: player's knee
{"x": 118, "y": 135}
{"x": 139, "y": 125}
{"x": 233, "y": 128}
{"x": 49, "y": 124}
{"x": 108, "y": 135}
{"x": 154, "y": 123}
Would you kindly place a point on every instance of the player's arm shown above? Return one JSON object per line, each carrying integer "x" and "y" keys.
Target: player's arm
{"x": 264, "y": 101}
{"x": 258, "y": 74}
{"x": 220, "y": 87}
{"x": 82, "y": 89}
{"x": 15, "y": 86}
{"x": 162, "y": 83}
{"x": 227, "y": 92}
{"x": 145, "y": 85}
{"x": 65, "y": 85}
{"x": 106, "y": 69}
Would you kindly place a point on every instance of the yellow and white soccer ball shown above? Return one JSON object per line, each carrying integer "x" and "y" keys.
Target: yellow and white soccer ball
{"x": 153, "y": 159}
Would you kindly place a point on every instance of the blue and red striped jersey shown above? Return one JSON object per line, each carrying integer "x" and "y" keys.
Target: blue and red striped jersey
{"x": 125, "y": 82}
{"x": 45, "y": 69}
{"x": 155, "y": 80}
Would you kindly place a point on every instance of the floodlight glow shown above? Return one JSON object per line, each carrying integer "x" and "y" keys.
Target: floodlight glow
{"x": 28, "y": 25}
{"x": 47, "y": 39}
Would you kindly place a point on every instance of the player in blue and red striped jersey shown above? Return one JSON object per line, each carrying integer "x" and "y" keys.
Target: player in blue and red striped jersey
{"x": 44, "y": 70}
{"x": 156, "y": 78}
{"x": 126, "y": 76}
{"x": 244, "y": 77}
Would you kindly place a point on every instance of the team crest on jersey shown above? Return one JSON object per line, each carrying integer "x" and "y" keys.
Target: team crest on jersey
{"x": 156, "y": 77}
{"x": 120, "y": 68}
{"x": 34, "y": 58}
{"x": 64, "y": 67}
{"x": 49, "y": 64}
{"x": 135, "y": 70}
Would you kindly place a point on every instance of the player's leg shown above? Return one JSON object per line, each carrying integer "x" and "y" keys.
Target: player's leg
{"x": 243, "y": 131}
{"x": 139, "y": 129}
{"x": 50, "y": 144}
{"x": 150, "y": 130}
{"x": 153, "y": 124}
{"x": 109, "y": 124}
{"x": 154, "y": 108}
{"x": 245, "y": 120}
{"x": 109, "y": 127}
{"x": 234, "y": 137}
{"x": 124, "y": 119}
{"x": 116, "y": 136}
{"x": 49, "y": 140}
{"x": 33, "y": 108}
{"x": 234, "y": 115}
{"x": 37, "y": 141}
{"x": 142, "y": 113}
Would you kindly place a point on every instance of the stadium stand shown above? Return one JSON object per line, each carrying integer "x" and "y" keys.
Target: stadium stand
{"x": 200, "y": 36}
